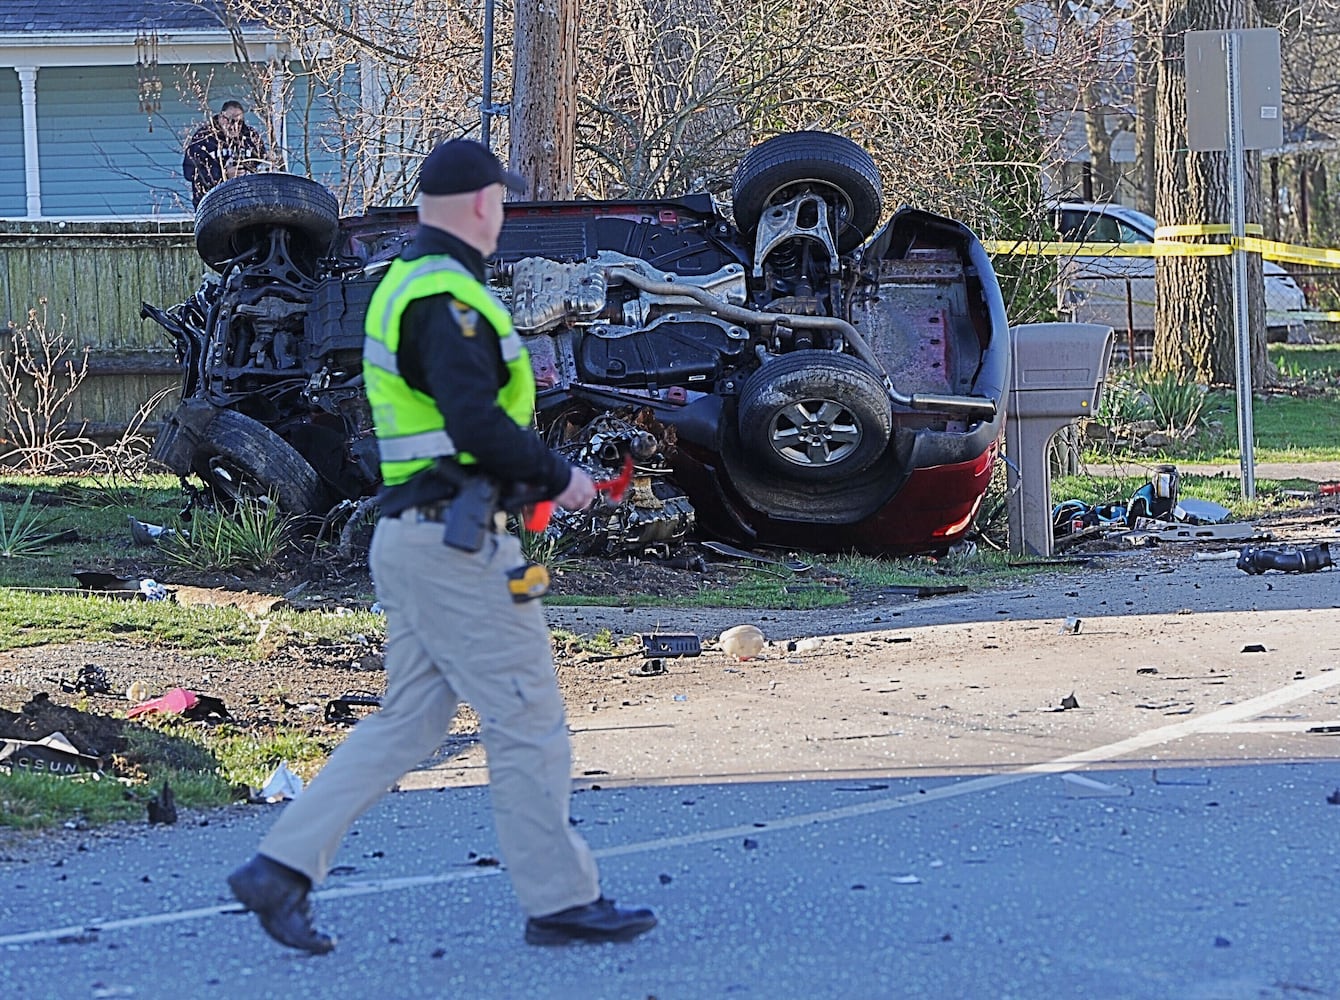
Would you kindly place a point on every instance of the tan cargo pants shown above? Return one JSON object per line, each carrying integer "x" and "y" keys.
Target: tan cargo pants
{"x": 454, "y": 632}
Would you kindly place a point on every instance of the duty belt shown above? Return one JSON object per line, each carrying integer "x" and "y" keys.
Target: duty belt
{"x": 436, "y": 512}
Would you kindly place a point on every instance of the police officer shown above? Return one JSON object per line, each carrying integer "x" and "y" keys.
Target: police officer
{"x": 452, "y": 398}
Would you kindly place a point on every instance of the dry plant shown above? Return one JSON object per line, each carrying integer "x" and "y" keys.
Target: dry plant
{"x": 128, "y": 456}
{"x": 40, "y": 371}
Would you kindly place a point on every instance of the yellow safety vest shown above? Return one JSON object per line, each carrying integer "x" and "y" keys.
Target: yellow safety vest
{"x": 410, "y": 430}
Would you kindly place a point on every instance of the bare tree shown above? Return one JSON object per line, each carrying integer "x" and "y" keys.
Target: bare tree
{"x": 1194, "y": 329}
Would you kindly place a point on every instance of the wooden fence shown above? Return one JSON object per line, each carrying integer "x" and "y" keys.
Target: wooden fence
{"x": 86, "y": 281}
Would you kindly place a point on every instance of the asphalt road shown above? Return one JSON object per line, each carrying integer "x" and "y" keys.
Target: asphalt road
{"x": 899, "y": 807}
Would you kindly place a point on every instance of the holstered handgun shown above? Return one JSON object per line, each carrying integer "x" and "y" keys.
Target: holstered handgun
{"x": 469, "y": 516}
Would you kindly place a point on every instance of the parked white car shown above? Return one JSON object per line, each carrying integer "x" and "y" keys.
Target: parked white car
{"x": 1119, "y": 291}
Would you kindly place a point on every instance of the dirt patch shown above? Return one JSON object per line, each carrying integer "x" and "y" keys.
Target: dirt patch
{"x": 91, "y": 733}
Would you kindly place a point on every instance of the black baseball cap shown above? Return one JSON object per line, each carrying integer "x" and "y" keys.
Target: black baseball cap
{"x": 462, "y": 165}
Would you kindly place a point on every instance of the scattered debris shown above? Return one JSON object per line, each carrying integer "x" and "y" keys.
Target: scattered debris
{"x": 148, "y": 534}
{"x": 282, "y": 784}
{"x": 146, "y": 589}
{"x": 52, "y": 754}
{"x": 1079, "y": 786}
{"x": 1334, "y": 798}
{"x": 91, "y": 679}
{"x": 180, "y": 701}
{"x": 1070, "y": 626}
{"x": 906, "y": 880}
{"x": 174, "y": 701}
{"x": 244, "y": 600}
{"x": 1070, "y": 701}
{"x": 654, "y": 667}
{"x": 1256, "y": 559}
{"x": 1254, "y": 647}
{"x": 341, "y": 710}
{"x": 162, "y": 807}
{"x": 671, "y": 644}
{"x": 742, "y": 641}
{"x": 722, "y": 549}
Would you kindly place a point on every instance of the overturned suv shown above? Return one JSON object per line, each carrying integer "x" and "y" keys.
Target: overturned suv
{"x": 801, "y": 375}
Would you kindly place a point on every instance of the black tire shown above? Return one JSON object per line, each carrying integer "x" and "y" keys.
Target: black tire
{"x": 236, "y": 215}
{"x": 815, "y": 416}
{"x": 831, "y": 166}
{"x": 239, "y": 458}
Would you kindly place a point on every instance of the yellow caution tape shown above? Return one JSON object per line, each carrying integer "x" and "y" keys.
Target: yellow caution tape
{"x": 1214, "y": 229}
{"x": 1160, "y": 249}
{"x": 1164, "y": 246}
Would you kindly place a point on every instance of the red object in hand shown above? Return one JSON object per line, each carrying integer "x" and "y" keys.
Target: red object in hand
{"x": 536, "y": 516}
{"x": 617, "y": 486}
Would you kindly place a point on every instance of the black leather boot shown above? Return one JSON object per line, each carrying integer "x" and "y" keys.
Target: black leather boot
{"x": 595, "y": 922}
{"x": 278, "y": 895}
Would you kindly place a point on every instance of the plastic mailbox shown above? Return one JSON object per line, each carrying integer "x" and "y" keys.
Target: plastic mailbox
{"x": 1057, "y": 377}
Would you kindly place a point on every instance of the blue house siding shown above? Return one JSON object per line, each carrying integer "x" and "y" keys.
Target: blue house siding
{"x": 316, "y": 142}
{"x": 98, "y": 155}
{"x": 13, "y": 195}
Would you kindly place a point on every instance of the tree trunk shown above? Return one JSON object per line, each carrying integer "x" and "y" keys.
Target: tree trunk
{"x": 1194, "y": 328}
{"x": 1099, "y": 137}
{"x": 542, "y": 128}
{"x": 1146, "y": 51}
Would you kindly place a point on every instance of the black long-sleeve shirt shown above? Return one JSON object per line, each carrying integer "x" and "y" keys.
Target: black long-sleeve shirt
{"x": 463, "y": 374}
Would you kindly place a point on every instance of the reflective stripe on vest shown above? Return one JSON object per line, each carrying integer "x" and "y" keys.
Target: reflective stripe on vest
{"x": 410, "y": 430}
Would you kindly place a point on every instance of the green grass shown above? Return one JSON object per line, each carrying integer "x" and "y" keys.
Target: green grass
{"x": 96, "y": 510}
{"x": 1298, "y": 426}
{"x": 205, "y": 768}
{"x": 29, "y": 618}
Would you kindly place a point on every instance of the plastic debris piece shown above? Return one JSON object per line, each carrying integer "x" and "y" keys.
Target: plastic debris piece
{"x": 162, "y": 808}
{"x": 1196, "y": 511}
{"x": 174, "y": 701}
{"x": 53, "y": 754}
{"x": 142, "y": 533}
{"x": 1070, "y": 701}
{"x": 742, "y": 641}
{"x": 671, "y": 644}
{"x": 1079, "y": 786}
{"x": 282, "y": 784}
{"x": 153, "y": 590}
{"x": 1071, "y": 626}
{"x": 906, "y": 880}
{"x": 1256, "y": 559}
{"x": 341, "y": 709}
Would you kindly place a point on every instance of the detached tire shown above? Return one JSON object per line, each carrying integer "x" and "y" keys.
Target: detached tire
{"x": 239, "y": 458}
{"x": 815, "y": 416}
{"x": 238, "y": 214}
{"x": 831, "y": 166}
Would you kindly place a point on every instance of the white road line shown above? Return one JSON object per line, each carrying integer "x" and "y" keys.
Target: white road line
{"x": 1213, "y": 722}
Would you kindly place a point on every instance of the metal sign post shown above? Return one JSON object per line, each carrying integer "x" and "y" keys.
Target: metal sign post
{"x": 1225, "y": 71}
{"x": 1242, "y": 335}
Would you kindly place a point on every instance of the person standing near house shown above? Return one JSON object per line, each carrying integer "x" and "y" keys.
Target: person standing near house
{"x": 223, "y": 148}
{"x": 452, "y": 397}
